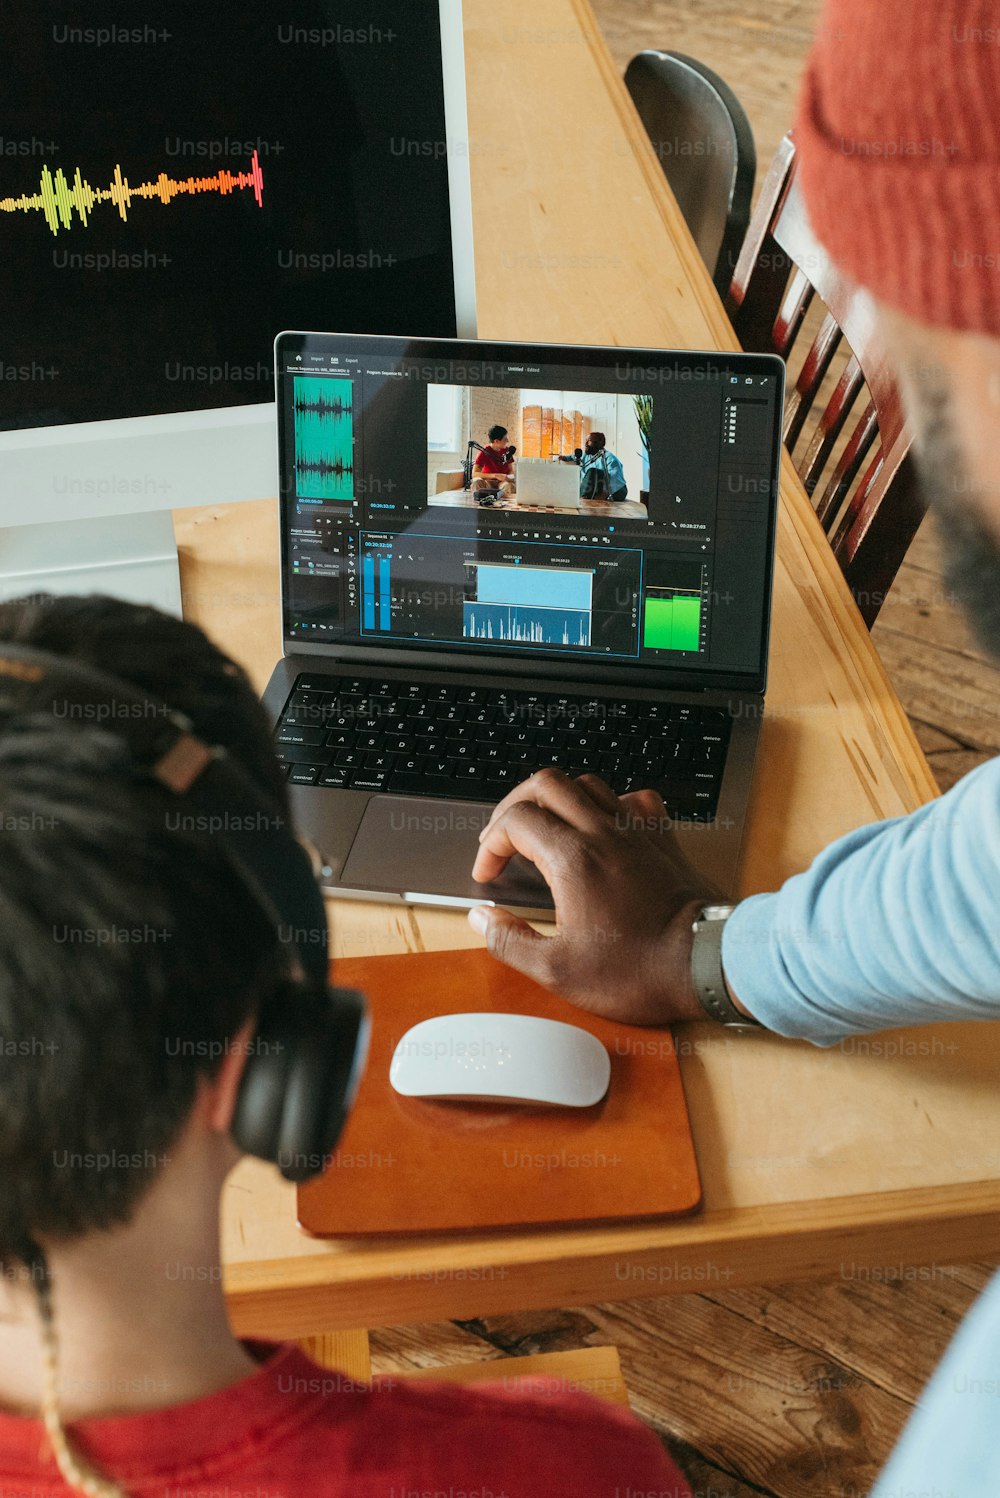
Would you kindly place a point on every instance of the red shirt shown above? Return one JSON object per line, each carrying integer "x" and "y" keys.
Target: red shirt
{"x": 301, "y": 1431}
{"x": 491, "y": 461}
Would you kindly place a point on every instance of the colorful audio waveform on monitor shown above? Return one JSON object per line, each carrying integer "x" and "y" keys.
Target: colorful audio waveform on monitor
{"x": 324, "y": 438}
{"x": 58, "y": 198}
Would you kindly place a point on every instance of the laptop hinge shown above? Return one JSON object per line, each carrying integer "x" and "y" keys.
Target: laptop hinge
{"x": 368, "y": 660}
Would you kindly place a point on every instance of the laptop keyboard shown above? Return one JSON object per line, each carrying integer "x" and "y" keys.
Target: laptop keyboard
{"x": 477, "y": 743}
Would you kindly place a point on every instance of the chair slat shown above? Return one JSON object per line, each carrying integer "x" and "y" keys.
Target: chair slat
{"x": 874, "y": 537}
{"x": 780, "y": 270}
{"x": 793, "y": 309}
{"x": 830, "y": 425}
{"x": 848, "y": 467}
{"x": 811, "y": 376}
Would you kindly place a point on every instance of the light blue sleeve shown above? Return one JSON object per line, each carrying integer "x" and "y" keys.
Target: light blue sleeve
{"x": 896, "y": 924}
{"x": 951, "y": 1446}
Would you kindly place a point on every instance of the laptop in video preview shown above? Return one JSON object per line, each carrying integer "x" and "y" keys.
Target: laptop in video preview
{"x": 451, "y": 627}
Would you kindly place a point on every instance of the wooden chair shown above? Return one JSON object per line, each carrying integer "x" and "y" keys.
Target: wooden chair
{"x": 870, "y": 513}
{"x": 702, "y": 138}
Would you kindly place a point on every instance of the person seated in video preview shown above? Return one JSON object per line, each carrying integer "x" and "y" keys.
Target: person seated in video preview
{"x": 494, "y": 466}
{"x": 601, "y": 473}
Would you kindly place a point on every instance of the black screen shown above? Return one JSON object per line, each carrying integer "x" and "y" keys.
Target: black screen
{"x": 589, "y": 504}
{"x": 179, "y": 184}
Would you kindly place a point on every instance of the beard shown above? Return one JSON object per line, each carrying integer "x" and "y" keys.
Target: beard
{"x": 971, "y": 548}
{"x": 971, "y": 569}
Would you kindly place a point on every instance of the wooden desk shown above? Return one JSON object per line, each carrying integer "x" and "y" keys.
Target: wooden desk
{"x": 814, "y": 1162}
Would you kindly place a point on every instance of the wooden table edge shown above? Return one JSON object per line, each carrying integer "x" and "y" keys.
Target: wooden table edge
{"x": 890, "y": 1233}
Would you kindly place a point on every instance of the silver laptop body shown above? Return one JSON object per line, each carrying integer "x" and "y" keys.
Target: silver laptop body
{"x": 351, "y": 612}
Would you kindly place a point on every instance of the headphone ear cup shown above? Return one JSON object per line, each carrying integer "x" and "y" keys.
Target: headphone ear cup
{"x": 300, "y": 1080}
{"x": 260, "y": 1102}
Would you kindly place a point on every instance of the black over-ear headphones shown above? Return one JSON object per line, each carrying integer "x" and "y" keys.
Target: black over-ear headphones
{"x": 311, "y": 1042}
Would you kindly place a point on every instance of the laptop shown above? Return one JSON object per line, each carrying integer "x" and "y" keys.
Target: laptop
{"x": 540, "y": 481}
{"x": 435, "y": 657}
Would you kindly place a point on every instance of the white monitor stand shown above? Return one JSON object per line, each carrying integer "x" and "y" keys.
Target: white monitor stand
{"x": 87, "y": 508}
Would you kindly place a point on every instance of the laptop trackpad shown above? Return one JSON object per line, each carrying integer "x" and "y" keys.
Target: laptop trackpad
{"x": 417, "y": 847}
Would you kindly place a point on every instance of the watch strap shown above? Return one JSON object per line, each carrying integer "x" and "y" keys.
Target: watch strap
{"x": 706, "y": 968}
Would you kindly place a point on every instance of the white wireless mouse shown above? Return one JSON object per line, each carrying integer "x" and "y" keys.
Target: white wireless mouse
{"x": 501, "y": 1058}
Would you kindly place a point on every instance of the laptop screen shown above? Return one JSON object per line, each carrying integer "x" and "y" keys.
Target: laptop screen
{"x": 604, "y": 506}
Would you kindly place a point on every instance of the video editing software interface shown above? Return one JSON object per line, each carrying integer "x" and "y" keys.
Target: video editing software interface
{"x": 577, "y": 504}
{"x": 176, "y": 189}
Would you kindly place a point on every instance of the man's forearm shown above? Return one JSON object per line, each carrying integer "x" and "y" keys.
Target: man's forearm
{"x": 892, "y": 925}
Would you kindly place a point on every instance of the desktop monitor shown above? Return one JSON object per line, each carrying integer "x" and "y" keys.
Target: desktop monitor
{"x": 173, "y": 192}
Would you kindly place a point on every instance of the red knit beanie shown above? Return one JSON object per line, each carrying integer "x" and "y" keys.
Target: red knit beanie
{"x": 898, "y": 139}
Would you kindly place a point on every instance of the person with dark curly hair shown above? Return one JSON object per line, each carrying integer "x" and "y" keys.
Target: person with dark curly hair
{"x": 134, "y": 961}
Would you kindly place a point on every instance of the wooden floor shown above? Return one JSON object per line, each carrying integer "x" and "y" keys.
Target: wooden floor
{"x": 795, "y": 1391}
{"x": 948, "y": 685}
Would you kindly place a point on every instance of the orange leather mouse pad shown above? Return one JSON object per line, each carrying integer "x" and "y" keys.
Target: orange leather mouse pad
{"x": 412, "y": 1165}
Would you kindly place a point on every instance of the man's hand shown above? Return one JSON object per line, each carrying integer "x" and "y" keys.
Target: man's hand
{"x": 625, "y": 897}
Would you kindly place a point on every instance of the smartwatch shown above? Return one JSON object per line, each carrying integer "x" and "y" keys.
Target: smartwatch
{"x": 706, "y": 968}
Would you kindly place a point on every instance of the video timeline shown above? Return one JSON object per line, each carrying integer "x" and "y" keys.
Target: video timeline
{"x": 531, "y": 605}
{"x": 500, "y": 594}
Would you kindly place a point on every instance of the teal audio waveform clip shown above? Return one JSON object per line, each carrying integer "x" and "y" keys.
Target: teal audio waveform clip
{"x": 324, "y": 438}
